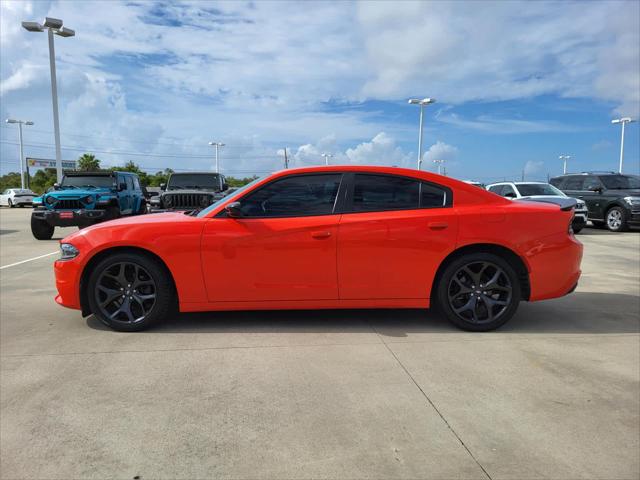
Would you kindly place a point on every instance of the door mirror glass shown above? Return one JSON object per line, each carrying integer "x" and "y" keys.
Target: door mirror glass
{"x": 163, "y": 186}
{"x": 225, "y": 187}
{"x": 233, "y": 210}
{"x": 122, "y": 187}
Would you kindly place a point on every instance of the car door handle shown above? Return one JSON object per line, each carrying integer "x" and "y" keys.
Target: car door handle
{"x": 438, "y": 225}
{"x": 320, "y": 235}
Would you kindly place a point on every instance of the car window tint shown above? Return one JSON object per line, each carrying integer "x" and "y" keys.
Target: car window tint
{"x": 432, "y": 196}
{"x": 573, "y": 183}
{"x": 591, "y": 183}
{"x": 385, "y": 192}
{"x": 129, "y": 182}
{"x": 497, "y": 189}
{"x": 136, "y": 183}
{"x": 300, "y": 195}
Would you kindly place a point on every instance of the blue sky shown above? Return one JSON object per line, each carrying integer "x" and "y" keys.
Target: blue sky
{"x": 516, "y": 83}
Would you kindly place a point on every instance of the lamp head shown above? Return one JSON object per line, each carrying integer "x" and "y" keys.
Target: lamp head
{"x": 65, "y": 32}
{"x": 54, "y": 23}
{"x": 32, "y": 26}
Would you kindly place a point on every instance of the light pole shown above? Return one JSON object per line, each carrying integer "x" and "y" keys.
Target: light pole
{"x": 217, "y": 145}
{"x": 623, "y": 121}
{"x": 53, "y": 26}
{"x": 327, "y": 156}
{"x": 439, "y": 163}
{"x": 20, "y": 123}
{"x": 564, "y": 158}
{"x": 422, "y": 103}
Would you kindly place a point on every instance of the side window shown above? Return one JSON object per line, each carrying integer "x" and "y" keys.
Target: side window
{"x": 507, "y": 190}
{"x": 295, "y": 196}
{"x": 136, "y": 183}
{"x": 573, "y": 183}
{"x": 384, "y": 192}
{"x": 497, "y": 189}
{"x": 591, "y": 182}
{"x": 129, "y": 182}
{"x": 432, "y": 196}
{"x": 557, "y": 182}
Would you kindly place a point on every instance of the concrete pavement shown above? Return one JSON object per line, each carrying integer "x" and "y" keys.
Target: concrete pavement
{"x": 330, "y": 394}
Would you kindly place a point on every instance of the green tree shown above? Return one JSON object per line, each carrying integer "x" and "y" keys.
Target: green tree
{"x": 239, "y": 182}
{"x": 10, "y": 180}
{"x": 43, "y": 179}
{"x": 88, "y": 163}
{"x": 159, "y": 177}
{"x": 133, "y": 167}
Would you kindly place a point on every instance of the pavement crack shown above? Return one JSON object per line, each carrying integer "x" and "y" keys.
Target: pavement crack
{"x": 424, "y": 394}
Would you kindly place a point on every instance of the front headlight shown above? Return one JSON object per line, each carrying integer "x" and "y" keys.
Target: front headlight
{"x": 633, "y": 201}
{"x": 87, "y": 199}
{"x": 68, "y": 251}
{"x": 50, "y": 200}
{"x": 155, "y": 201}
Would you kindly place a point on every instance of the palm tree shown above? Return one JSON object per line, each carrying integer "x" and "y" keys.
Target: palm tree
{"x": 88, "y": 162}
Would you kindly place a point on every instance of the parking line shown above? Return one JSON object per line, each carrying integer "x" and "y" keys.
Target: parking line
{"x": 28, "y": 260}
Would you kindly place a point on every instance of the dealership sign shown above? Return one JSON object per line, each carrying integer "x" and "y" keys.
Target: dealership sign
{"x": 46, "y": 163}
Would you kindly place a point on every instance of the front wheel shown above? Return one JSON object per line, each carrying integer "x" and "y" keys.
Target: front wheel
{"x": 10, "y": 203}
{"x": 129, "y": 292}
{"x": 479, "y": 292}
{"x": 41, "y": 230}
{"x": 616, "y": 219}
{"x": 577, "y": 228}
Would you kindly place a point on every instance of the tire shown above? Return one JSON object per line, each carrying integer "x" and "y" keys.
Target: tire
{"x": 616, "y": 219}
{"x": 21, "y": 205}
{"x": 41, "y": 230}
{"x": 578, "y": 228}
{"x": 112, "y": 213}
{"x": 469, "y": 308}
{"x": 10, "y": 203}
{"x": 118, "y": 274}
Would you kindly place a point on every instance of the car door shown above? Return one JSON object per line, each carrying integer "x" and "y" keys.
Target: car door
{"x": 393, "y": 235}
{"x": 591, "y": 193}
{"x": 282, "y": 248}
{"x": 4, "y": 197}
{"x": 573, "y": 186}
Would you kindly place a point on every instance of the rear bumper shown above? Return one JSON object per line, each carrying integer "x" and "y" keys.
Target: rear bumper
{"x": 554, "y": 266}
{"x": 70, "y": 218}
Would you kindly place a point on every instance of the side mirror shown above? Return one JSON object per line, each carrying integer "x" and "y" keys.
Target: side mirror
{"x": 510, "y": 195}
{"x": 122, "y": 187}
{"x": 225, "y": 187}
{"x": 56, "y": 186}
{"x": 163, "y": 186}
{"x": 233, "y": 210}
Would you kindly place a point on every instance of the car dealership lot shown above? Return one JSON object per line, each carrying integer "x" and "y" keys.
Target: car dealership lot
{"x": 327, "y": 394}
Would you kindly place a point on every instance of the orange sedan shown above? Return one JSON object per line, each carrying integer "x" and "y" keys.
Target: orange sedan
{"x": 322, "y": 238}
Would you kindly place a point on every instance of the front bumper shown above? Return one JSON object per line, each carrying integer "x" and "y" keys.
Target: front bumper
{"x": 67, "y": 273}
{"x": 70, "y": 218}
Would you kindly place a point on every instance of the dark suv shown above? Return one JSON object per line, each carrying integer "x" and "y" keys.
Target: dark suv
{"x": 613, "y": 199}
{"x": 189, "y": 191}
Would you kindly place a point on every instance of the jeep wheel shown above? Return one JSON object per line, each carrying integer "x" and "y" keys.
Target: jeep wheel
{"x": 11, "y": 205}
{"x": 616, "y": 219}
{"x": 112, "y": 213}
{"x": 41, "y": 230}
{"x": 129, "y": 291}
{"x": 479, "y": 292}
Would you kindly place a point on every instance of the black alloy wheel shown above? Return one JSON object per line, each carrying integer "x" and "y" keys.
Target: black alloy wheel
{"x": 479, "y": 292}
{"x": 129, "y": 292}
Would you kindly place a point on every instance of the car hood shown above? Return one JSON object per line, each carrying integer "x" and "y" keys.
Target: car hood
{"x": 78, "y": 192}
{"x": 189, "y": 191}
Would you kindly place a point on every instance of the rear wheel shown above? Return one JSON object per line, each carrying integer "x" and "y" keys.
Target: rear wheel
{"x": 41, "y": 230}
{"x": 10, "y": 203}
{"x": 616, "y": 219}
{"x": 479, "y": 292}
{"x": 129, "y": 292}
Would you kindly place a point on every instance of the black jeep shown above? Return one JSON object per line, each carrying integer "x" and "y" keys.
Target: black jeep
{"x": 613, "y": 199}
{"x": 189, "y": 191}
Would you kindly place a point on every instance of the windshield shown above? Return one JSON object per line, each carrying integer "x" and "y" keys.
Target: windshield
{"x": 531, "y": 189}
{"x": 203, "y": 213}
{"x": 621, "y": 182}
{"x": 88, "y": 181}
{"x": 194, "y": 180}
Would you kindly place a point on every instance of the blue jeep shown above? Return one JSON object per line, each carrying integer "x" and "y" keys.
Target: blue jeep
{"x": 85, "y": 198}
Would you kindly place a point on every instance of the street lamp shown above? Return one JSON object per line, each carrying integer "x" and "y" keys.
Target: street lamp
{"x": 564, "y": 158}
{"x": 217, "y": 145}
{"x": 53, "y": 26}
{"x": 623, "y": 121}
{"x": 20, "y": 123}
{"x": 422, "y": 103}
{"x": 439, "y": 163}
{"x": 326, "y": 156}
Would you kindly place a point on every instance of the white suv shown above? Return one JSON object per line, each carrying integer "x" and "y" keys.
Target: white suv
{"x": 537, "y": 191}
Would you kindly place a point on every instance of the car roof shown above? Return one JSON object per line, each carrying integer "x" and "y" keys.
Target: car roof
{"x": 195, "y": 173}
{"x": 98, "y": 173}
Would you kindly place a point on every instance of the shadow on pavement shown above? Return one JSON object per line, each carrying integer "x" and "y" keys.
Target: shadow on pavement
{"x": 579, "y": 313}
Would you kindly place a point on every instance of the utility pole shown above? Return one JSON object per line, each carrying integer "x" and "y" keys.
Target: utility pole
{"x": 422, "y": 103}
{"x": 623, "y": 121}
{"x": 564, "y": 167}
{"x": 217, "y": 145}
{"x": 286, "y": 160}
{"x": 326, "y": 156}
{"x": 22, "y": 163}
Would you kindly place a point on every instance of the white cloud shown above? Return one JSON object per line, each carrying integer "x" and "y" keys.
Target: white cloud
{"x": 533, "y": 166}
{"x": 440, "y": 151}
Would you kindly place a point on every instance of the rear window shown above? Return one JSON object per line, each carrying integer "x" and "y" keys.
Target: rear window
{"x": 387, "y": 192}
{"x": 620, "y": 182}
{"x": 531, "y": 189}
{"x": 573, "y": 183}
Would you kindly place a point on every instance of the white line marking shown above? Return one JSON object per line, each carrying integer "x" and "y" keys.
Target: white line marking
{"x": 28, "y": 260}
